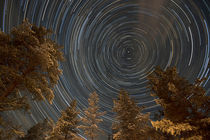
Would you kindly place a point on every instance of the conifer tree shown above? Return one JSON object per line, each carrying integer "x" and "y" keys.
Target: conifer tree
{"x": 29, "y": 62}
{"x": 40, "y": 131}
{"x": 67, "y": 124}
{"x": 185, "y": 105}
{"x": 92, "y": 118}
{"x": 130, "y": 123}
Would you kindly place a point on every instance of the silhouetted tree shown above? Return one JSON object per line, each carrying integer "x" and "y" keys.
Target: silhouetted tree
{"x": 67, "y": 124}
{"x": 130, "y": 123}
{"x": 186, "y": 108}
{"x": 92, "y": 117}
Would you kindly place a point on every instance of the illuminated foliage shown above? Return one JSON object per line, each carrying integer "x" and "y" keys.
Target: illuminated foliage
{"x": 130, "y": 122}
{"x": 186, "y": 107}
{"x": 67, "y": 124}
{"x": 92, "y": 117}
{"x": 29, "y": 62}
{"x": 14, "y": 103}
{"x": 172, "y": 128}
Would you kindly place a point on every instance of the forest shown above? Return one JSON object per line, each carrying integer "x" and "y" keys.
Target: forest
{"x": 29, "y": 63}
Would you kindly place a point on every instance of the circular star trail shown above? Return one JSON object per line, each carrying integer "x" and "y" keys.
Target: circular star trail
{"x": 114, "y": 44}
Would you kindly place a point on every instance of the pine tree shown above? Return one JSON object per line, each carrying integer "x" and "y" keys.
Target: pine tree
{"x": 29, "y": 62}
{"x": 92, "y": 117}
{"x": 67, "y": 124}
{"x": 130, "y": 123}
{"x": 40, "y": 131}
{"x": 186, "y": 108}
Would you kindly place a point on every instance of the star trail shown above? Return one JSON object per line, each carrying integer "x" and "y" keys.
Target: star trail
{"x": 114, "y": 44}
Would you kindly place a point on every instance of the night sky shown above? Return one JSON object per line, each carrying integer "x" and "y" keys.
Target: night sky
{"x": 114, "y": 44}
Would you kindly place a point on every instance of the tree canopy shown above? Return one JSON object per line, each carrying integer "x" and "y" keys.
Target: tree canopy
{"x": 29, "y": 62}
{"x": 185, "y": 105}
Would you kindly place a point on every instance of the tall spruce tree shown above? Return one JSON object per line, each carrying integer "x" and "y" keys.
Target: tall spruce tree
{"x": 67, "y": 124}
{"x": 130, "y": 123}
{"x": 92, "y": 118}
{"x": 186, "y": 107}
